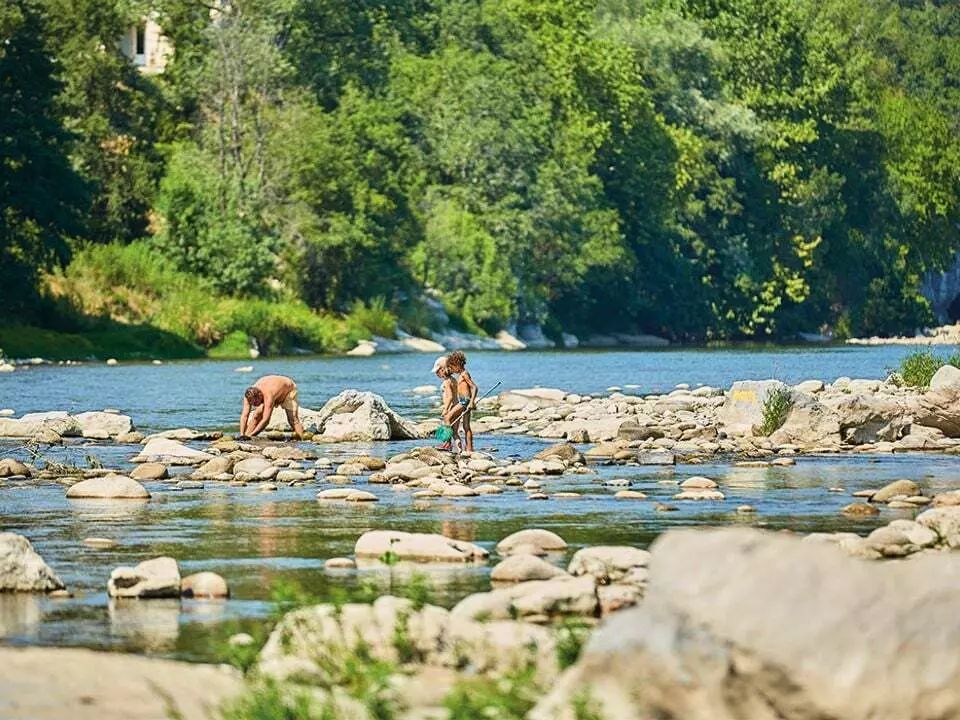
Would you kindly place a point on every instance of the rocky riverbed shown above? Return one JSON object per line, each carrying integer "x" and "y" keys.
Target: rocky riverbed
{"x": 503, "y": 602}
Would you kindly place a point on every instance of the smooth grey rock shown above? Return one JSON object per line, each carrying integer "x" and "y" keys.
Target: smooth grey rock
{"x": 719, "y": 636}
{"x": 946, "y": 377}
{"x": 22, "y": 569}
{"x": 418, "y": 547}
{"x": 156, "y": 578}
{"x": 521, "y": 568}
{"x": 892, "y": 490}
{"x": 361, "y": 416}
{"x": 608, "y": 563}
{"x": 109, "y": 487}
{"x": 103, "y": 425}
{"x": 149, "y": 471}
{"x": 543, "y": 540}
{"x": 10, "y": 467}
{"x": 170, "y": 452}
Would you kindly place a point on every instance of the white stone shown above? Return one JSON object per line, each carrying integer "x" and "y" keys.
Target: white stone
{"x": 109, "y": 487}
{"x": 22, "y": 569}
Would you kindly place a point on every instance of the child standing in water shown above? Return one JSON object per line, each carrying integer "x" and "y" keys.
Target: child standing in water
{"x": 467, "y": 391}
{"x": 449, "y": 407}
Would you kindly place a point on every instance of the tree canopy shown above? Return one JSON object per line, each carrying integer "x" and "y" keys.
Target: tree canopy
{"x": 699, "y": 169}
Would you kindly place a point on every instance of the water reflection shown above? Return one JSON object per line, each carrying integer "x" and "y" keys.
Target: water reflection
{"x": 152, "y": 624}
{"x": 100, "y": 510}
{"x": 20, "y": 614}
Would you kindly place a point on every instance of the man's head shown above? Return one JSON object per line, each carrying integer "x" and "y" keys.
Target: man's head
{"x": 253, "y": 395}
{"x": 440, "y": 367}
{"x": 457, "y": 362}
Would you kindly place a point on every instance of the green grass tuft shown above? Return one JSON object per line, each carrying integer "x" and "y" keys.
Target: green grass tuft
{"x": 776, "y": 407}
{"x": 507, "y": 698}
{"x": 919, "y": 367}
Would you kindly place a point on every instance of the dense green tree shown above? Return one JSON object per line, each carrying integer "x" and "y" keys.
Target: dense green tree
{"x": 701, "y": 169}
{"x": 41, "y": 196}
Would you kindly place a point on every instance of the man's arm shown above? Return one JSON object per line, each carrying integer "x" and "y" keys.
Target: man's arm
{"x": 244, "y": 414}
{"x": 267, "y": 414}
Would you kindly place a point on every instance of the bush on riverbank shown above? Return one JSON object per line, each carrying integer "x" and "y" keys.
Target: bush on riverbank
{"x": 919, "y": 367}
{"x": 127, "y": 301}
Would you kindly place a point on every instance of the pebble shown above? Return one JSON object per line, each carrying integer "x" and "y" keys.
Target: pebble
{"x": 836, "y": 490}
{"x": 865, "y": 493}
{"x": 361, "y": 496}
{"x": 111, "y": 361}
{"x": 538, "y": 496}
{"x": 240, "y": 640}
{"x": 629, "y": 495}
{"x": 190, "y": 485}
{"x": 567, "y": 495}
{"x": 60, "y": 594}
{"x": 339, "y": 563}
{"x": 663, "y": 507}
{"x": 99, "y": 543}
{"x": 746, "y": 509}
{"x": 267, "y": 487}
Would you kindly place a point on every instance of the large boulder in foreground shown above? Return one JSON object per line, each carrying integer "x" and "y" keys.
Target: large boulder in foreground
{"x": 354, "y": 415}
{"x": 745, "y": 624}
{"x": 22, "y": 569}
{"x": 46, "y": 682}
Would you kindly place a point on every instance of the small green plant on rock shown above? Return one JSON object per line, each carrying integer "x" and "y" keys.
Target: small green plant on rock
{"x": 776, "y": 407}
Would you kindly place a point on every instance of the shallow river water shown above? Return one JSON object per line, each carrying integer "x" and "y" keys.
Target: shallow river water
{"x": 256, "y": 539}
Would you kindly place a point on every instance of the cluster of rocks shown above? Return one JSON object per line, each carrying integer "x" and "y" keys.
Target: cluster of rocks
{"x": 597, "y": 580}
{"x": 52, "y": 427}
{"x": 512, "y": 627}
{"x": 433, "y": 473}
{"x": 854, "y": 415}
{"x": 932, "y": 531}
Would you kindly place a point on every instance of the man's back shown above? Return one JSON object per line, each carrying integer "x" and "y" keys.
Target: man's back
{"x": 276, "y": 386}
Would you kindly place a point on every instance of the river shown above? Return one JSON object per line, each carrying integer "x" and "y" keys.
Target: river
{"x": 256, "y": 539}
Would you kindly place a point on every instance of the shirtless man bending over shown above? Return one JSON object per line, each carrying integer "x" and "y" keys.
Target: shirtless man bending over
{"x": 259, "y": 400}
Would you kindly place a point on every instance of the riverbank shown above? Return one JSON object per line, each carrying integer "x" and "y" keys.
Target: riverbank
{"x": 943, "y": 335}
